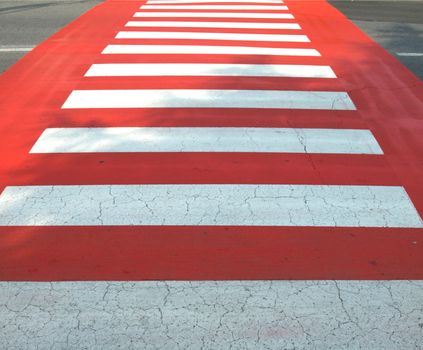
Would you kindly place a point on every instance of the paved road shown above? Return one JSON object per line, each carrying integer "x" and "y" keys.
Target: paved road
{"x": 180, "y": 152}
{"x": 25, "y": 23}
{"x": 395, "y": 25}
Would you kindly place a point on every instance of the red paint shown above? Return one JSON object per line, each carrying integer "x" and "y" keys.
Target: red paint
{"x": 389, "y": 101}
{"x": 204, "y": 253}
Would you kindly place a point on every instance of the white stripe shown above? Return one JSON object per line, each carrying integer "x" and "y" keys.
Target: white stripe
{"x": 215, "y": 14}
{"x": 193, "y": 98}
{"x": 248, "y": 25}
{"x": 150, "y": 139}
{"x": 211, "y": 205}
{"x": 213, "y": 1}
{"x": 272, "y": 315}
{"x": 213, "y": 7}
{"x": 410, "y": 54}
{"x": 209, "y": 69}
{"x": 207, "y": 50}
{"x": 7, "y": 48}
{"x": 213, "y": 36}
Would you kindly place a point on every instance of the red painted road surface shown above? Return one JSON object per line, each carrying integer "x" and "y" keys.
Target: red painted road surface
{"x": 389, "y": 102}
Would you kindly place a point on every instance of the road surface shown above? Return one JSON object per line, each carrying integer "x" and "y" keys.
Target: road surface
{"x": 210, "y": 175}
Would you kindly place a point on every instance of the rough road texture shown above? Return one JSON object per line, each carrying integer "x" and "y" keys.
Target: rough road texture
{"x": 212, "y": 315}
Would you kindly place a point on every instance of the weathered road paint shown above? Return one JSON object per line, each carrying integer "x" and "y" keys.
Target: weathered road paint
{"x": 198, "y": 98}
{"x": 275, "y": 140}
{"x": 387, "y": 101}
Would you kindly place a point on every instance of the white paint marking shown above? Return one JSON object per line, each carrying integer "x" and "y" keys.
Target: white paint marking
{"x": 209, "y": 69}
{"x": 246, "y": 25}
{"x": 214, "y": 205}
{"x": 222, "y": 139}
{"x": 214, "y": 7}
{"x": 196, "y": 98}
{"x": 410, "y": 54}
{"x": 213, "y": 36}
{"x": 215, "y": 14}
{"x": 219, "y": 315}
{"x": 7, "y": 48}
{"x": 207, "y": 50}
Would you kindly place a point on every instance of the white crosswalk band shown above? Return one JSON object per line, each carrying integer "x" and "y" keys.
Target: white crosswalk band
{"x": 216, "y": 14}
{"x": 209, "y": 69}
{"x": 199, "y": 139}
{"x": 233, "y": 25}
{"x": 207, "y": 50}
{"x": 213, "y": 7}
{"x": 211, "y": 205}
{"x": 213, "y": 36}
{"x": 192, "y": 98}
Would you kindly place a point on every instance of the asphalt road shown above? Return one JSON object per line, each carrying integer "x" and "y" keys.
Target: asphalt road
{"x": 26, "y": 23}
{"x": 396, "y": 25}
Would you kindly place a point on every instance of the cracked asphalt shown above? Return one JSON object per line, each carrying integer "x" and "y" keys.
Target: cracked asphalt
{"x": 212, "y": 315}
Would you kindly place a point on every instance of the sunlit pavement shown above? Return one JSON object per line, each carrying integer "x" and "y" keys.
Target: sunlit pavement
{"x": 254, "y": 165}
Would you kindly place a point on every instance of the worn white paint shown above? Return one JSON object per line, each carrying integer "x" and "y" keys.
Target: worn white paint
{"x": 207, "y": 50}
{"x": 216, "y": 14}
{"x": 12, "y": 48}
{"x": 214, "y": 7}
{"x": 191, "y": 24}
{"x": 221, "y": 139}
{"x": 197, "y": 98}
{"x": 209, "y": 69}
{"x": 209, "y": 315}
{"x": 410, "y": 54}
{"x": 213, "y": 36}
{"x": 210, "y": 205}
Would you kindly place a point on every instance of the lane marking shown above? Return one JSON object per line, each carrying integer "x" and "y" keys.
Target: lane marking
{"x": 215, "y": 14}
{"x": 210, "y": 205}
{"x": 196, "y": 98}
{"x": 410, "y": 54}
{"x": 209, "y": 69}
{"x": 6, "y": 48}
{"x": 207, "y": 50}
{"x": 220, "y": 139}
{"x": 247, "y": 25}
{"x": 214, "y": 36}
{"x": 213, "y": 7}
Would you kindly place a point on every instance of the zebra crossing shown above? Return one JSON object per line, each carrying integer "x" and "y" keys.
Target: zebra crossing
{"x": 210, "y": 174}
{"x": 289, "y": 78}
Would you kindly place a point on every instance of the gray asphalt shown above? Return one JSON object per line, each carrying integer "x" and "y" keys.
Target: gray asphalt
{"x": 395, "y": 25}
{"x": 26, "y": 23}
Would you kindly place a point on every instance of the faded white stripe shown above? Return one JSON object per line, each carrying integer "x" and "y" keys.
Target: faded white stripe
{"x": 225, "y": 314}
{"x": 215, "y": 14}
{"x": 410, "y": 54}
{"x": 11, "y": 48}
{"x": 272, "y": 315}
{"x": 213, "y": 7}
{"x": 196, "y": 98}
{"x": 213, "y": 36}
{"x": 207, "y": 50}
{"x": 211, "y": 205}
{"x": 217, "y": 69}
{"x": 221, "y": 139}
{"x": 246, "y": 25}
